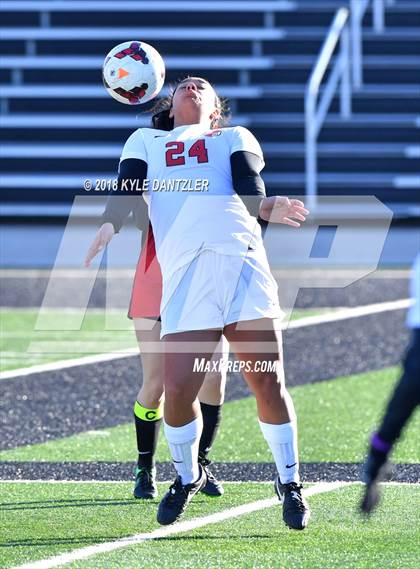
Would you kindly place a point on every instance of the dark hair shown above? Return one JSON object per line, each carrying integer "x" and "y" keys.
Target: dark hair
{"x": 162, "y": 121}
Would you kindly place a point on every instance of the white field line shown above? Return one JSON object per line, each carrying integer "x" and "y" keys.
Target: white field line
{"x": 63, "y": 364}
{"x": 354, "y": 312}
{"x": 65, "y": 310}
{"x": 67, "y": 335}
{"x": 52, "y": 481}
{"x": 181, "y": 527}
{"x": 129, "y": 483}
{"x": 344, "y": 314}
{"x": 225, "y": 482}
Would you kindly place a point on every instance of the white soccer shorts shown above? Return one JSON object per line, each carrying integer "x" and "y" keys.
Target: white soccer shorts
{"x": 216, "y": 290}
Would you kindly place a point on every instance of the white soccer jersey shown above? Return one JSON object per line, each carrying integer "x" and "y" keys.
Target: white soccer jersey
{"x": 192, "y": 203}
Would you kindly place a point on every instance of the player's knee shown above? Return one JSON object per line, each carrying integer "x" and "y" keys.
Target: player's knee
{"x": 152, "y": 387}
{"x": 268, "y": 383}
{"x": 176, "y": 389}
{"x": 151, "y": 392}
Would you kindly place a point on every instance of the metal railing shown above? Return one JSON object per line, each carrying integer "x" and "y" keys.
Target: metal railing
{"x": 315, "y": 114}
{"x": 358, "y": 11}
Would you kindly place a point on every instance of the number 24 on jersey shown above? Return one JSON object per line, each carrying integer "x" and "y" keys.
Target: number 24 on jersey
{"x": 175, "y": 153}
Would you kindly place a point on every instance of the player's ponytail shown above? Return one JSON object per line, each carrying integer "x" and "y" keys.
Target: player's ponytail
{"x": 162, "y": 121}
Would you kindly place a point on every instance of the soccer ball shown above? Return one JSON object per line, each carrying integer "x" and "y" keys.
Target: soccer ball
{"x": 133, "y": 72}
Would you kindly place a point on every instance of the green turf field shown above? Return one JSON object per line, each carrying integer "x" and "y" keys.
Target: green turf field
{"x": 64, "y": 335}
{"x": 70, "y": 334}
{"x": 335, "y": 418}
{"x": 40, "y": 520}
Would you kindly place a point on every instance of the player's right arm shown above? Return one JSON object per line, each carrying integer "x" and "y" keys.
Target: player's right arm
{"x": 119, "y": 205}
{"x": 132, "y": 172}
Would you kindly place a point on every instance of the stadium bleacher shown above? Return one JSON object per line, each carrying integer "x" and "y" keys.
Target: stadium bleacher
{"x": 59, "y": 126}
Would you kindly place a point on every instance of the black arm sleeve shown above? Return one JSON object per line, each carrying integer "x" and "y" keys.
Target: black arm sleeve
{"x": 127, "y": 197}
{"x": 248, "y": 183}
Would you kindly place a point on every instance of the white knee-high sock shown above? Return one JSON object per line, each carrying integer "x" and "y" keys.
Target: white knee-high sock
{"x": 183, "y": 443}
{"x": 282, "y": 440}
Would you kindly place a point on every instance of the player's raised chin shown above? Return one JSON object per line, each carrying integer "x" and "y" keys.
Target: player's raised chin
{"x": 194, "y": 102}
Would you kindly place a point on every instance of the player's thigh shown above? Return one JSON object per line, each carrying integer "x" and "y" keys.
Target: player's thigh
{"x": 187, "y": 358}
{"x": 258, "y": 345}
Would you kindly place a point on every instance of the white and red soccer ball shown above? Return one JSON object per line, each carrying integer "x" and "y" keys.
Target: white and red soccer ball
{"x": 133, "y": 72}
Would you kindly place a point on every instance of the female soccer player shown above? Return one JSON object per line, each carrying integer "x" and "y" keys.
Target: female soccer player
{"x": 145, "y": 307}
{"x": 216, "y": 280}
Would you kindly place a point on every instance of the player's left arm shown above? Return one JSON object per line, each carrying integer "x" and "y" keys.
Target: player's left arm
{"x": 247, "y": 181}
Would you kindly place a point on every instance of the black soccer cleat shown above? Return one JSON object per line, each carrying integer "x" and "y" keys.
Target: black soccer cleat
{"x": 177, "y": 498}
{"x": 375, "y": 469}
{"x": 213, "y": 486}
{"x": 296, "y": 511}
{"x": 145, "y": 485}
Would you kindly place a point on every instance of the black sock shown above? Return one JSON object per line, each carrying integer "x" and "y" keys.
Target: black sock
{"x": 147, "y": 423}
{"x": 211, "y": 420}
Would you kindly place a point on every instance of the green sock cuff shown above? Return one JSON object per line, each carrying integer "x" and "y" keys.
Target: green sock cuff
{"x": 146, "y": 414}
